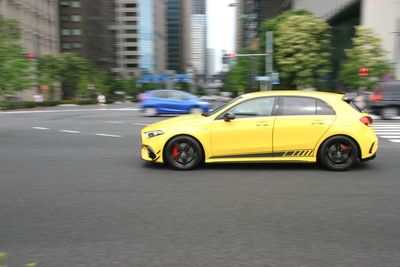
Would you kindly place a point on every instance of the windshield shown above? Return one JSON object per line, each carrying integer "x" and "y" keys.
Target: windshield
{"x": 213, "y": 111}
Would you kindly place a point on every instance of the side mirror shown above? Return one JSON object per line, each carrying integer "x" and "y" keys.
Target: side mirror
{"x": 229, "y": 116}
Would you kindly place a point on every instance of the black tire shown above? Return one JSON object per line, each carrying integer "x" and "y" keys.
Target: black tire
{"x": 338, "y": 153}
{"x": 183, "y": 153}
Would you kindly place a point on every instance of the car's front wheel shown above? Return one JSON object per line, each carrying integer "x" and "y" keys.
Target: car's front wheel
{"x": 338, "y": 153}
{"x": 183, "y": 153}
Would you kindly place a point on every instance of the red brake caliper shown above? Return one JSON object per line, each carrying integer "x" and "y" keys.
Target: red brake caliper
{"x": 175, "y": 152}
{"x": 345, "y": 150}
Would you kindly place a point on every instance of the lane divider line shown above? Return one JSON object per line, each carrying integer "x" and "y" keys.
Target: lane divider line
{"x": 40, "y": 128}
{"x": 108, "y": 135}
{"x": 115, "y": 122}
{"x": 139, "y": 124}
{"x": 69, "y": 131}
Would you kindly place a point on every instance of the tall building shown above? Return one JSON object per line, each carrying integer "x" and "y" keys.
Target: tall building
{"x": 251, "y": 13}
{"x": 198, "y": 37}
{"x": 343, "y": 15}
{"x": 38, "y": 21}
{"x": 137, "y": 34}
{"x": 84, "y": 30}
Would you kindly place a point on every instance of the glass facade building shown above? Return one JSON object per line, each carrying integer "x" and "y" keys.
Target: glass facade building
{"x": 146, "y": 36}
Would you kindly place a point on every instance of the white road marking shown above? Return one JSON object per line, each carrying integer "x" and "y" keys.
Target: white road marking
{"x": 108, "y": 135}
{"x": 140, "y": 124}
{"x": 395, "y": 140}
{"x": 69, "y": 131}
{"x": 115, "y": 122}
{"x": 67, "y": 110}
{"x": 40, "y": 128}
{"x": 390, "y": 136}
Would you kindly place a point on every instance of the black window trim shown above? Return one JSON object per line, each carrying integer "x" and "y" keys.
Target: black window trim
{"x": 280, "y": 106}
{"x": 273, "y": 113}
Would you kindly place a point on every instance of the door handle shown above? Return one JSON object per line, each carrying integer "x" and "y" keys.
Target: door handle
{"x": 262, "y": 124}
{"x": 317, "y": 123}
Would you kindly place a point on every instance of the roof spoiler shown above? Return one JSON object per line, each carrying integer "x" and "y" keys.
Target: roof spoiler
{"x": 349, "y": 97}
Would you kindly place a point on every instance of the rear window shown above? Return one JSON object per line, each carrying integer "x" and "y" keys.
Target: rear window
{"x": 292, "y": 105}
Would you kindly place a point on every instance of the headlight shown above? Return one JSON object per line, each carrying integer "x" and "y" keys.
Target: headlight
{"x": 151, "y": 134}
{"x": 203, "y": 103}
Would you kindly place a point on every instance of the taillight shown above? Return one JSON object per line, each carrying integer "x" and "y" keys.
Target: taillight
{"x": 366, "y": 120}
{"x": 376, "y": 97}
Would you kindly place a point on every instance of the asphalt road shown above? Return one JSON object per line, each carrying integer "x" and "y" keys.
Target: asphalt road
{"x": 74, "y": 192}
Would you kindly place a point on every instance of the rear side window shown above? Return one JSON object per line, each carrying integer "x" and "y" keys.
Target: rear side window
{"x": 297, "y": 106}
{"x": 324, "y": 109}
{"x": 304, "y": 106}
{"x": 392, "y": 89}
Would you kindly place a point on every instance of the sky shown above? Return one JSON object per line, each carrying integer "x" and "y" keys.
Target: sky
{"x": 221, "y": 28}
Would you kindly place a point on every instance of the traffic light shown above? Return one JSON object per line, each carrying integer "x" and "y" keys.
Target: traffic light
{"x": 363, "y": 72}
{"x": 231, "y": 55}
{"x": 29, "y": 55}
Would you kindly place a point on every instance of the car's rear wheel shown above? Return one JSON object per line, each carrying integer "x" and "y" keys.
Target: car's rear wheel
{"x": 149, "y": 112}
{"x": 183, "y": 153}
{"x": 195, "y": 110}
{"x": 338, "y": 153}
{"x": 388, "y": 113}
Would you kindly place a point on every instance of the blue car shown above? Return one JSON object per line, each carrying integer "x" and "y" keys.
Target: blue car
{"x": 164, "y": 101}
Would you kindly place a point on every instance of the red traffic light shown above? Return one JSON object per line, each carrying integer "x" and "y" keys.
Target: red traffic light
{"x": 231, "y": 54}
{"x": 363, "y": 72}
{"x": 29, "y": 55}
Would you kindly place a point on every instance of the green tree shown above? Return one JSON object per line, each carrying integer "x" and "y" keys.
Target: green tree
{"x": 16, "y": 72}
{"x": 239, "y": 78}
{"x": 367, "y": 52}
{"x": 73, "y": 71}
{"x": 303, "y": 50}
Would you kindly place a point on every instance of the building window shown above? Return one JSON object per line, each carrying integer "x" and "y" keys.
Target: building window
{"x": 66, "y": 46}
{"x": 76, "y": 31}
{"x": 131, "y": 65}
{"x": 131, "y": 40}
{"x": 76, "y": 18}
{"x": 131, "y": 57}
{"x": 76, "y": 45}
{"x": 130, "y": 5}
{"x": 130, "y": 31}
{"x": 64, "y": 3}
{"x": 64, "y": 18}
{"x": 130, "y": 14}
{"x": 131, "y": 48}
{"x": 66, "y": 32}
{"x": 132, "y": 22}
{"x": 75, "y": 4}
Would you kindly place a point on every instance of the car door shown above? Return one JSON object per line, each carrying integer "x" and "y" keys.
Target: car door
{"x": 299, "y": 125}
{"x": 248, "y": 134}
{"x": 177, "y": 102}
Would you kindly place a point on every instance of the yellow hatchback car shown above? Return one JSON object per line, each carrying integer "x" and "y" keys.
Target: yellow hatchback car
{"x": 268, "y": 126}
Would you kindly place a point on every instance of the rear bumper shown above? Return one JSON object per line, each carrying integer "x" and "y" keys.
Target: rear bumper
{"x": 370, "y": 158}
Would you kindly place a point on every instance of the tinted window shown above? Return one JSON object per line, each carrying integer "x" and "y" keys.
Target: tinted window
{"x": 298, "y": 106}
{"x": 324, "y": 109}
{"x": 254, "y": 107}
{"x": 160, "y": 94}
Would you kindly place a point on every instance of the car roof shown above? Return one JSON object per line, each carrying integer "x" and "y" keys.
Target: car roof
{"x": 317, "y": 94}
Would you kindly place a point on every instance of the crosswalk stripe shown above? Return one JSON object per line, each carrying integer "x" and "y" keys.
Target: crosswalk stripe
{"x": 390, "y": 136}
{"x": 395, "y": 140}
{"x": 388, "y": 131}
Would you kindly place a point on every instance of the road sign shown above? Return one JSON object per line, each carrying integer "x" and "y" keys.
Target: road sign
{"x": 275, "y": 78}
{"x": 262, "y": 78}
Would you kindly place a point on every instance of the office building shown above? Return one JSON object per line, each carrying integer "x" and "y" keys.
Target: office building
{"x": 84, "y": 30}
{"x": 38, "y": 21}
{"x": 249, "y": 16}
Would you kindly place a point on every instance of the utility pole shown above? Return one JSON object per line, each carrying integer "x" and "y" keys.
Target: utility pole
{"x": 268, "y": 58}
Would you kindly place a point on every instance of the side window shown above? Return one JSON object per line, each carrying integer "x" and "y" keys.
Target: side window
{"x": 292, "y": 105}
{"x": 324, "y": 109}
{"x": 254, "y": 107}
{"x": 160, "y": 94}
